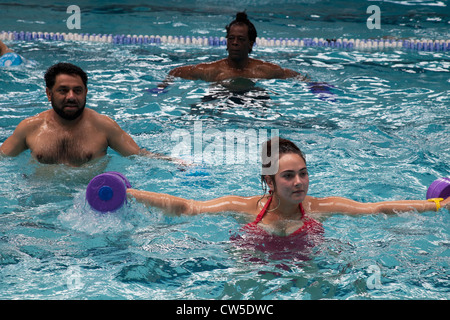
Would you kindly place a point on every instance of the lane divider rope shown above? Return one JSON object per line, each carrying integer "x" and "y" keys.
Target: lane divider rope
{"x": 342, "y": 43}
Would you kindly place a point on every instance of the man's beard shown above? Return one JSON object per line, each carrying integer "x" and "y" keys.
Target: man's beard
{"x": 68, "y": 116}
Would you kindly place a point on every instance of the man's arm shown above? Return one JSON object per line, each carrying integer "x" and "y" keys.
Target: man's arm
{"x": 274, "y": 71}
{"x": 124, "y": 144}
{"x": 4, "y": 48}
{"x": 185, "y": 72}
{"x": 321, "y": 89}
{"x": 288, "y": 73}
{"x": 16, "y": 143}
{"x": 119, "y": 140}
{"x": 206, "y": 71}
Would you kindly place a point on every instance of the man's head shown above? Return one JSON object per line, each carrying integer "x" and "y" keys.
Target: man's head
{"x": 66, "y": 89}
{"x": 241, "y": 21}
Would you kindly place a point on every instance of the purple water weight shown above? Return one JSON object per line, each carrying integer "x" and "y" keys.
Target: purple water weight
{"x": 107, "y": 192}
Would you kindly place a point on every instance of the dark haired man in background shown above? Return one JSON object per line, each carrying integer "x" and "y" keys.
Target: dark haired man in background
{"x": 241, "y": 36}
{"x": 69, "y": 133}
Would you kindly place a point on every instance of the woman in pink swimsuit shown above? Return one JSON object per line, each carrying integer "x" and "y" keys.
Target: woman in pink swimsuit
{"x": 286, "y": 212}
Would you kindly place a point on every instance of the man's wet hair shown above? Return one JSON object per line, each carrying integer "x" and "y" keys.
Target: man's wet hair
{"x": 63, "y": 68}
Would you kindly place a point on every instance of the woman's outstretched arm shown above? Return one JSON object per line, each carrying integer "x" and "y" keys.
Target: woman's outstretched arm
{"x": 347, "y": 206}
{"x": 176, "y": 205}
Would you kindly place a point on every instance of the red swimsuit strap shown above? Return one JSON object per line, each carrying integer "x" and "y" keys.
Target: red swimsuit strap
{"x": 301, "y": 210}
{"x": 308, "y": 223}
{"x": 264, "y": 210}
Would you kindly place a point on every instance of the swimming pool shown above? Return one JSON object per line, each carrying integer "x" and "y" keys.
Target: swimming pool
{"x": 383, "y": 137}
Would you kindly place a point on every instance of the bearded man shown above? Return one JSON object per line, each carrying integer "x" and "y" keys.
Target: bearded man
{"x": 69, "y": 133}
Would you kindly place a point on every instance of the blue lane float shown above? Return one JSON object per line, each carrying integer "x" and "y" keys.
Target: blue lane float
{"x": 340, "y": 43}
{"x": 10, "y": 59}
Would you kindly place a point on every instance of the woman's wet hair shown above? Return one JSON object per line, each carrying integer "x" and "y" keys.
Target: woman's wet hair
{"x": 241, "y": 18}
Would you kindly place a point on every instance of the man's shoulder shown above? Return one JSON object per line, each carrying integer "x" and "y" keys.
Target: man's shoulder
{"x": 29, "y": 126}
{"x": 265, "y": 64}
{"x": 35, "y": 120}
{"x": 100, "y": 121}
{"x": 272, "y": 70}
{"x": 93, "y": 115}
{"x": 212, "y": 64}
{"x": 207, "y": 70}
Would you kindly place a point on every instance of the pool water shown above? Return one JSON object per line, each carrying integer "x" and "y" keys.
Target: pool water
{"x": 382, "y": 136}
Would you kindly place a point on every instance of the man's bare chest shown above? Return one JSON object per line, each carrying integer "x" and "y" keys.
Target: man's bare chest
{"x": 230, "y": 73}
{"x": 73, "y": 147}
